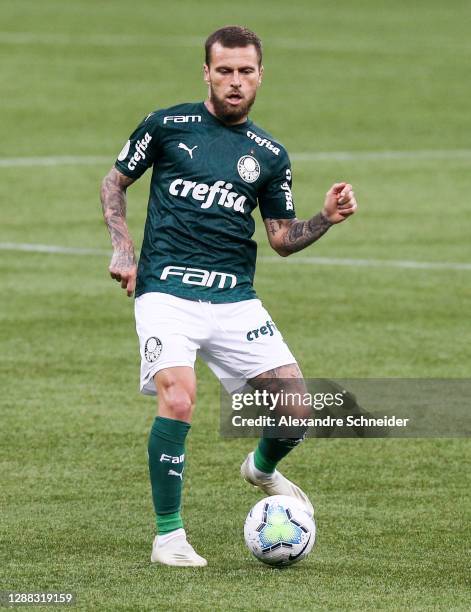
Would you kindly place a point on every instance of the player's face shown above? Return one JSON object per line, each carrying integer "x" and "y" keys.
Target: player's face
{"x": 233, "y": 76}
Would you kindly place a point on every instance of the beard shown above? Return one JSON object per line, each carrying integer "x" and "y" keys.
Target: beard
{"x": 227, "y": 112}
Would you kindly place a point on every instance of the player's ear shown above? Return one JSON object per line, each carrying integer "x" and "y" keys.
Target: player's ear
{"x": 260, "y": 75}
{"x": 206, "y": 73}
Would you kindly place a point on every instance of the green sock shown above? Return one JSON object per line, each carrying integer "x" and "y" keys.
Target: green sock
{"x": 271, "y": 450}
{"x": 166, "y": 464}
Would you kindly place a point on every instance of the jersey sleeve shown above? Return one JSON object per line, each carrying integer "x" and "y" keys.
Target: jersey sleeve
{"x": 140, "y": 151}
{"x": 275, "y": 199}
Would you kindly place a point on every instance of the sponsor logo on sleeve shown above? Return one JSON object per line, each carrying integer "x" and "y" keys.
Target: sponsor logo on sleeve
{"x": 139, "y": 151}
{"x": 264, "y": 142}
{"x": 287, "y": 190}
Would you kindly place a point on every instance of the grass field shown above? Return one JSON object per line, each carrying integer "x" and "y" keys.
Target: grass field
{"x": 366, "y": 77}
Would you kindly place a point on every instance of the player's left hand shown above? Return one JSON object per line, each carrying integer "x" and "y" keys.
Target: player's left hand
{"x": 124, "y": 270}
{"x": 339, "y": 203}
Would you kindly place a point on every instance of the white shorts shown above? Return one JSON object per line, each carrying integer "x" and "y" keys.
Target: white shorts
{"x": 237, "y": 340}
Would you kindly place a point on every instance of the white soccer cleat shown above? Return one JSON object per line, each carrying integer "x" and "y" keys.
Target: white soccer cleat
{"x": 176, "y": 551}
{"x": 273, "y": 484}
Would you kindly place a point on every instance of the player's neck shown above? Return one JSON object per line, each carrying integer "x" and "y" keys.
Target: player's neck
{"x": 210, "y": 108}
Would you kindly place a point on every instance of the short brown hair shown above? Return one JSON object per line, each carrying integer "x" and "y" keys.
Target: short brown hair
{"x": 232, "y": 37}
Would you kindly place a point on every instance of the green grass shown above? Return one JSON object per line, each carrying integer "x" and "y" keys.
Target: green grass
{"x": 393, "y": 515}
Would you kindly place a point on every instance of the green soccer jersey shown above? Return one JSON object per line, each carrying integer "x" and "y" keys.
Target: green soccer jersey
{"x": 207, "y": 179}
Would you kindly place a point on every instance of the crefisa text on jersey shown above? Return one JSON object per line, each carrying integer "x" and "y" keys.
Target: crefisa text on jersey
{"x": 263, "y": 142}
{"x": 206, "y": 194}
{"x": 140, "y": 148}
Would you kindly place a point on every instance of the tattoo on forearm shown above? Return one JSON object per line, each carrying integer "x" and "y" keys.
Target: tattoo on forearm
{"x": 123, "y": 260}
{"x": 113, "y": 201}
{"x": 274, "y": 226}
{"x": 301, "y": 234}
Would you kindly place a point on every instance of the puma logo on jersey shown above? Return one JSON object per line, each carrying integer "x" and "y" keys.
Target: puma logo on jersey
{"x": 207, "y": 194}
{"x": 174, "y": 473}
{"x": 183, "y": 146}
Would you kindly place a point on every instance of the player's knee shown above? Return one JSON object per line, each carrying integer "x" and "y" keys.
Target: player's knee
{"x": 176, "y": 393}
{"x": 176, "y": 401}
{"x": 180, "y": 406}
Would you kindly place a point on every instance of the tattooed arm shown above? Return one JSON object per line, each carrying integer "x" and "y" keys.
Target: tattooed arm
{"x": 288, "y": 236}
{"x": 113, "y": 201}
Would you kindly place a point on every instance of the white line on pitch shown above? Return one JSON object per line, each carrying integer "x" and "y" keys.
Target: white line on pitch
{"x": 369, "y": 263}
{"x": 50, "y": 248}
{"x": 100, "y": 40}
{"x": 162, "y": 40}
{"x": 326, "y": 156}
{"x": 64, "y": 160}
{"x": 323, "y": 261}
{"x": 194, "y": 41}
{"x": 380, "y": 155}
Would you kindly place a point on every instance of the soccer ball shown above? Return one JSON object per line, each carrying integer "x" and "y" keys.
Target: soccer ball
{"x": 279, "y": 530}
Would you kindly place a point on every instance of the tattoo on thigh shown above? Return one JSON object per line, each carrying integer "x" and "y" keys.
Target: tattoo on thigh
{"x": 291, "y": 370}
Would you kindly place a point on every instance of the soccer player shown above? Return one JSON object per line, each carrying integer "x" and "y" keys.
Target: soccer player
{"x": 194, "y": 282}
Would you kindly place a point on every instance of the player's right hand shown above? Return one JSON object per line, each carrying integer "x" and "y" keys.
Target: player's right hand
{"x": 340, "y": 203}
{"x": 123, "y": 269}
